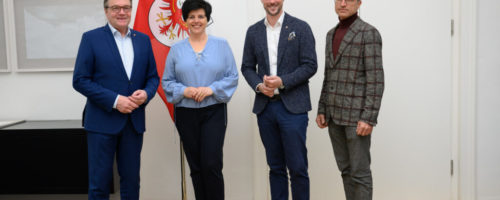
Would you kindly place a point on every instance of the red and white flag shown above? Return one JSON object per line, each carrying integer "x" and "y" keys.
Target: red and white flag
{"x": 162, "y": 21}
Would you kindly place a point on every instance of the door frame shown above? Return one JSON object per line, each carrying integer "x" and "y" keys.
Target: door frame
{"x": 464, "y": 56}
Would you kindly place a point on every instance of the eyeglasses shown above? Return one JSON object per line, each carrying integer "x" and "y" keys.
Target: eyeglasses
{"x": 117, "y": 9}
{"x": 346, "y": 1}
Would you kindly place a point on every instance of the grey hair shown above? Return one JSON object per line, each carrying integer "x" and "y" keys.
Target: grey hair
{"x": 106, "y": 3}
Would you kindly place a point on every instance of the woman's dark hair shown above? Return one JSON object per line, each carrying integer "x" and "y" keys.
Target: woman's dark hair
{"x": 190, "y": 5}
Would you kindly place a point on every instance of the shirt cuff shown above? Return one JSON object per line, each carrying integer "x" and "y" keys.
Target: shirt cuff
{"x": 281, "y": 86}
{"x": 257, "y": 88}
{"x": 116, "y": 101}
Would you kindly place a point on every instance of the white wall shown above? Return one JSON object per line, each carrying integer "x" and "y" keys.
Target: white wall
{"x": 488, "y": 98}
{"x": 401, "y": 168}
{"x": 39, "y": 96}
{"x": 34, "y": 96}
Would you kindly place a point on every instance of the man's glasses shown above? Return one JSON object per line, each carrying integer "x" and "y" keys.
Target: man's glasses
{"x": 116, "y": 9}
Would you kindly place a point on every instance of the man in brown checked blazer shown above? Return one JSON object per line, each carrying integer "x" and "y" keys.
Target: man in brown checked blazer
{"x": 351, "y": 96}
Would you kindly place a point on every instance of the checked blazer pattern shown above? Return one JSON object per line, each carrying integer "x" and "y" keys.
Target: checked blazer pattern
{"x": 354, "y": 81}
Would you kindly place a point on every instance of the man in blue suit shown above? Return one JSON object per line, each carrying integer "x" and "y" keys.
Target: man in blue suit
{"x": 279, "y": 57}
{"x": 116, "y": 70}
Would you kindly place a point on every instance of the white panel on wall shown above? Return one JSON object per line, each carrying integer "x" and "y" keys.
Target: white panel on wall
{"x": 49, "y": 32}
{"x": 412, "y": 144}
{"x": 3, "y": 47}
{"x": 488, "y": 98}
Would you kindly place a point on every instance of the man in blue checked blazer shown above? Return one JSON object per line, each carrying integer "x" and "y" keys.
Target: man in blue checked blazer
{"x": 116, "y": 70}
{"x": 279, "y": 57}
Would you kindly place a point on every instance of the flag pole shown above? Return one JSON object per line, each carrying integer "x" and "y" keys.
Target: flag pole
{"x": 183, "y": 173}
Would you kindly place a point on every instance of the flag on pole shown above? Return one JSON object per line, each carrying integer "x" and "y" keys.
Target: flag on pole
{"x": 162, "y": 21}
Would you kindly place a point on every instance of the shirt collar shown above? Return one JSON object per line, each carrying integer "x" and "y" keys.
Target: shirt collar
{"x": 114, "y": 31}
{"x": 278, "y": 23}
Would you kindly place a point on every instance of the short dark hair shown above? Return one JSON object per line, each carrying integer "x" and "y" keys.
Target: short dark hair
{"x": 190, "y": 5}
{"x": 106, "y": 3}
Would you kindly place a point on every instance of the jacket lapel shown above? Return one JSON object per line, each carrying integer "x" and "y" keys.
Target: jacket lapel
{"x": 284, "y": 33}
{"x": 114, "y": 51}
{"x": 349, "y": 36}
{"x": 329, "y": 46}
{"x": 135, "y": 47}
{"x": 262, "y": 34}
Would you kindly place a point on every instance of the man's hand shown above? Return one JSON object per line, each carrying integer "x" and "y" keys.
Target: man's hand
{"x": 266, "y": 90}
{"x": 125, "y": 105}
{"x": 273, "y": 81}
{"x": 139, "y": 97}
{"x": 364, "y": 128}
{"x": 190, "y": 92}
{"x": 202, "y": 93}
{"x": 320, "y": 120}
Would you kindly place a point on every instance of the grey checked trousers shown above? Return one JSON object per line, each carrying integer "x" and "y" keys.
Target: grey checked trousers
{"x": 352, "y": 153}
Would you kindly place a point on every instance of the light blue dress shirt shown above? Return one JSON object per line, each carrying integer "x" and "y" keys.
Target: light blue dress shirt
{"x": 213, "y": 67}
{"x": 126, "y": 50}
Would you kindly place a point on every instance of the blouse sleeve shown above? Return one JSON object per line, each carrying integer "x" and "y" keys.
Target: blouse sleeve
{"x": 174, "y": 90}
{"x": 224, "y": 89}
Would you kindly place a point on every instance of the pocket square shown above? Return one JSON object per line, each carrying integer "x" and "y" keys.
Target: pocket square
{"x": 291, "y": 36}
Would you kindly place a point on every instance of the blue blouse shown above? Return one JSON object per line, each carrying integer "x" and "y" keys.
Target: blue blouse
{"x": 213, "y": 67}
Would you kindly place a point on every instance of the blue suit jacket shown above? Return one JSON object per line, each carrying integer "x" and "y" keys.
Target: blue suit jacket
{"x": 100, "y": 76}
{"x": 296, "y": 63}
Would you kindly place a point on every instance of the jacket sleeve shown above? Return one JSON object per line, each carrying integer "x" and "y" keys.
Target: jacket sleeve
{"x": 323, "y": 98}
{"x": 307, "y": 60}
{"x": 374, "y": 76}
{"x": 152, "y": 79}
{"x": 249, "y": 61}
{"x": 83, "y": 77}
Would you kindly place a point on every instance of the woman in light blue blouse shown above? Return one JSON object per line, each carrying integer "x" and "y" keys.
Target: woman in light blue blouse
{"x": 199, "y": 79}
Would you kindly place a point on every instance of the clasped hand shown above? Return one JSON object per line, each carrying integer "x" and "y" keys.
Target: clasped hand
{"x": 270, "y": 83}
{"x": 128, "y": 104}
{"x": 198, "y": 94}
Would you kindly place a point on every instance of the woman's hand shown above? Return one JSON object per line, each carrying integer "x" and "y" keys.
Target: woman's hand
{"x": 202, "y": 93}
{"x": 190, "y": 92}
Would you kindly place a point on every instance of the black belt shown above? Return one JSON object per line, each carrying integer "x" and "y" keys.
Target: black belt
{"x": 276, "y": 97}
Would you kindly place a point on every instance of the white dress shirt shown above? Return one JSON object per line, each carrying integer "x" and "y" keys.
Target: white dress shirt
{"x": 273, "y": 38}
{"x": 126, "y": 50}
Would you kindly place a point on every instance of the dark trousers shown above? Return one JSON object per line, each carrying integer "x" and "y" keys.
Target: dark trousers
{"x": 101, "y": 153}
{"x": 352, "y": 153}
{"x": 284, "y": 137}
{"x": 202, "y": 131}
